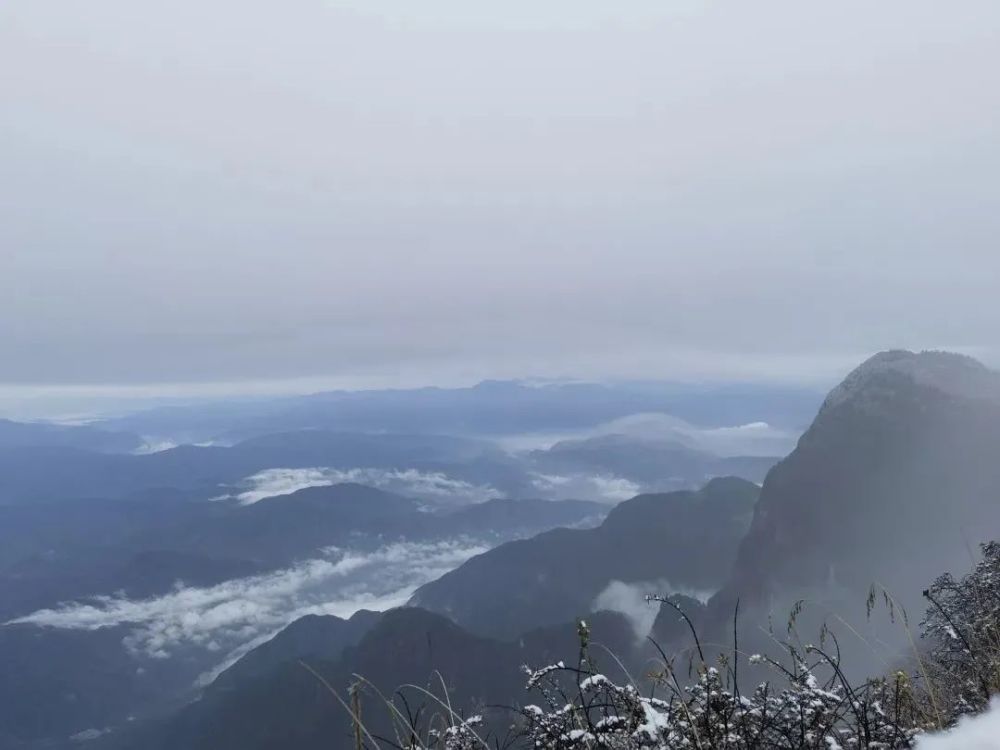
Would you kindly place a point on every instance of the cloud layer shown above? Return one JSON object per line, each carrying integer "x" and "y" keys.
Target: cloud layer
{"x": 630, "y": 600}
{"x": 434, "y": 486}
{"x": 231, "y": 617}
{"x": 603, "y": 488}
{"x": 645, "y": 188}
{"x": 753, "y": 439}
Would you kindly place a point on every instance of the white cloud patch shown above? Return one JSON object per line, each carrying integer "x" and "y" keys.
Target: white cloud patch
{"x": 603, "y": 488}
{"x": 90, "y": 734}
{"x": 159, "y": 445}
{"x": 753, "y": 439}
{"x": 434, "y": 486}
{"x": 980, "y": 732}
{"x": 629, "y": 599}
{"x": 276, "y": 482}
{"x": 236, "y": 615}
{"x": 152, "y": 445}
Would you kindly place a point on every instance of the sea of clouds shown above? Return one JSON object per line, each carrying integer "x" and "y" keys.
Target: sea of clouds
{"x": 232, "y": 617}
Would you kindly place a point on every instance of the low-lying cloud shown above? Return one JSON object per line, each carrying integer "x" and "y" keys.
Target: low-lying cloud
{"x": 603, "y": 488}
{"x": 233, "y": 616}
{"x": 154, "y": 446}
{"x": 629, "y": 599}
{"x": 433, "y": 486}
{"x": 753, "y": 439}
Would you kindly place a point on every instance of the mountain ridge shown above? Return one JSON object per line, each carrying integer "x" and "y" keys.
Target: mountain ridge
{"x": 900, "y": 456}
{"x": 556, "y": 576}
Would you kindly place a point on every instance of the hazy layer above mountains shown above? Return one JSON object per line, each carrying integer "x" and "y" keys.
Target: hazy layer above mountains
{"x": 493, "y": 408}
{"x": 641, "y": 183}
{"x": 35, "y": 434}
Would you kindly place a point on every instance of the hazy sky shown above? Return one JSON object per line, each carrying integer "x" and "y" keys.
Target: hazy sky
{"x": 399, "y": 191}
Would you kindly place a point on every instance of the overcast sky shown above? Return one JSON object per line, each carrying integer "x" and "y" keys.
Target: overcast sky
{"x": 390, "y": 191}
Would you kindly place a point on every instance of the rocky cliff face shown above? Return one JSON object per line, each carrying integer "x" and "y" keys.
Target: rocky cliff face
{"x": 897, "y": 477}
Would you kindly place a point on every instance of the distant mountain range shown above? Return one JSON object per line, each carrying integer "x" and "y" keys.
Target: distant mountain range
{"x": 42, "y": 434}
{"x": 471, "y": 467}
{"x": 491, "y": 408}
{"x": 893, "y": 482}
{"x": 106, "y": 537}
{"x": 646, "y": 461}
{"x": 59, "y": 473}
{"x": 895, "y": 477}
